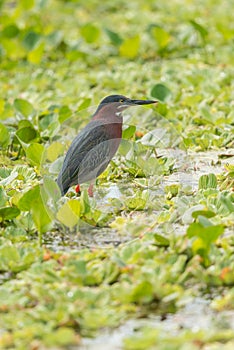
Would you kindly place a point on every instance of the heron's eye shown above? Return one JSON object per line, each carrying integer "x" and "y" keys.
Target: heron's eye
{"x": 121, "y": 100}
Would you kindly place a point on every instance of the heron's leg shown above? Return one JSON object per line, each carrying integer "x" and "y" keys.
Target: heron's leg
{"x": 90, "y": 190}
{"x": 77, "y": 189}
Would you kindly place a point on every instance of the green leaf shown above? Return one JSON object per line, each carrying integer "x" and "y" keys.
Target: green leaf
{"x": 161, "y": 240}
{"x": 64, "y": 113}
{"x": 16, "y": 258}
{"x": 26, "y": 135}
{"x": 136, "y": 203}
{"x": 161, "y": 92}
{"x": 33, "y": 201}
{"x": 35, "y": 55}
{"x": 54, "y": 151}
{"x": 85, "y": 103}
{"x": 207, "y": 234}
{"x": 207, "y": 181}
{"x": 51, "y": 191}
{"x": 206, "y": 213}
{"x": 3, "y": 197}
{"x": 90, "y": 33}
{"x": 8, "y": 213}
{"x": 31, "y": 39}
{"x": 34, "y": 154}
{"x": 200, "y": 29}
{"x": 130, "y": 47}
{"x": 10, "y": 31}
{"x": 24, "y": 107}
{"x": 114, "y": 37}
{"x": 61, "y": 337}
{"x": 142, "y": 293}
{"x": 69, "y": 213}
{"x": 129, "y": 132}
{"x": 161, "y": 36}
{"x": 4, "y": 136}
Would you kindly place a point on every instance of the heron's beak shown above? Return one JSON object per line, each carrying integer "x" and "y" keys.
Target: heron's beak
{"x": 143, "y": 102}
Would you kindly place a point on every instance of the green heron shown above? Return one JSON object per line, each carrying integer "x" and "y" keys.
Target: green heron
{"x": 94, "y": 147}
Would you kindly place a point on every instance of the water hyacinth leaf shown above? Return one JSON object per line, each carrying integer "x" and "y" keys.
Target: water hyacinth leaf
{"x": 26, "y": 135}
{"x": 114, "y": 37}
{"x": 69, "y": 213}
{"x": 207, "y": 234}
{"x": 129, "y": 132}
{"x": 161, "y": 36}
{"x": 23, "y": 107}
{"x": 90, "y": 33}
{"x": 10, "y": 31}
{"x": 205, "y": 213}
{"x": 207, "y": 181}
{"x": 8, "y": 179}
{"x": 200, "y": 29}
{"x": 64, "y": 113}
{"x": 8, "y": 213}
{"x": 63, "y": 337}
{"x": 161, "y": 240}
{"x": 2, "y": 107}
{"x": 125, "y": 147}
{"x": 54, "y": 151}
{"x": 3, "y": 197}
{"x": 85, "y": 103}
{"x": 160, "y": 92}
{"x": 4, "y": 136}
{"x": 30, "y": 40}
{"x": 142, "y": 292}
{"x": 143, "y": 339}
{"x": 136, "y": 203}
{"x": 32, "y": 201}
{"x": 35, "y": 55}
{"x": 130, "y": 47}
{"x": 34, "y": 153}
{"x": 51, "y": 189}
{"x": 17, "y": 258}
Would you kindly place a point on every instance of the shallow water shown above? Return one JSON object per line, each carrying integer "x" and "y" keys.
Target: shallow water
{"x": 195, "y": 316}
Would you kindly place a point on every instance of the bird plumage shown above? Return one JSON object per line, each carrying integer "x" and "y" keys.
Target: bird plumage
{"x": 89, "y": 154}
{"x": 93, "y": 148}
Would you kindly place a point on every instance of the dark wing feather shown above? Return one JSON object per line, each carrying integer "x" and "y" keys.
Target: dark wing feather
{"x": 87, "y": 157}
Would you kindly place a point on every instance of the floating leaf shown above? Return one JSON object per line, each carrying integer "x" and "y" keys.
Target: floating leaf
{"x": 4, "y": 136}
{"x": 161, "y": 92}
{"x": 207, "y": 181}
{"x": 205, "y": 213}
{"x": 130, "y": 47}
{"x": 200, "y": 29}
{"x": 136, "y": 203}
{"x": 3, "y": 197}
{"x": 8, "y": 213}
{"x": 64, "y": 113}
{"x": 161, "y": 240}
{"x": 90, "y": 33}
{"x": 24, "y": 107}
{"x": 31, "y": 39}
{"x": 114, "y": 37}
{"x": 84, "y": 104}
{"x": 161, "y": 36}
{"x": 35, "y": 55}
{"x": 54, "y": 151}
{"x": 10, "y": 31}
{"x": 26, "y": 135}
{"x": 208, "y": 234}
{"x": 69, "y": 213}
{"x": 63, "y": 337}
{"x": 34, "y": 153}
{"x": 33, "y": 201}
{"x": 129, "y": 132}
